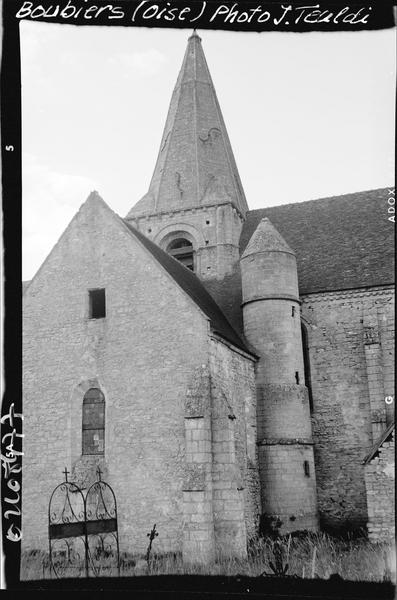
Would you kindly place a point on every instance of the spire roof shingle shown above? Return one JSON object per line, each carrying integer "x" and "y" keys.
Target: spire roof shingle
{"x": 195, "y": 165}
{"x": 266, "y": 238}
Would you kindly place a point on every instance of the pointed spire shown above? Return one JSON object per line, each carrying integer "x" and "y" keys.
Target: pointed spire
{"x": 195, "y": 164}
{"x": 266, "y": 238}
{"x": 94, "y": 198}
{"x": 195, "y": 34}
{"x": 94, "y": 195}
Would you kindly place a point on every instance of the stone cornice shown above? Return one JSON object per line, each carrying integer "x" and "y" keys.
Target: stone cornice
{"x": 218, "y": 338}
{"x": 285, "y": 442}
{"x": 351, "y": 293}
{"x": 287, "y": 297}
{"x": 182, "y": 211}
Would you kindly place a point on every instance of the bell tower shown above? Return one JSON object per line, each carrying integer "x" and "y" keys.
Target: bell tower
{"x": 195, "y": 206}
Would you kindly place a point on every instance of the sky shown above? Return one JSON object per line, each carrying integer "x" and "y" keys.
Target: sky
{"x": 308, "y": 115}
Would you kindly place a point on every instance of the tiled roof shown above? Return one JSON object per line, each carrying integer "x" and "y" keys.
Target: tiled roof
{"x": 376, "y": 447}
{"x": 188, "y": 281}
{"x": 340, "y": 242}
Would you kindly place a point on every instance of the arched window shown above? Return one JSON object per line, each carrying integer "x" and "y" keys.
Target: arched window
{"x": 94, "y": 422}
{"x": 306, "y": 364}
{"x": 182, "y": 250}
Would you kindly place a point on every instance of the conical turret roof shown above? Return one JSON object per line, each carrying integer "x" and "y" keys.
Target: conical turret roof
{"x": 195, "y": 164}
{"x": 266, "y": 238}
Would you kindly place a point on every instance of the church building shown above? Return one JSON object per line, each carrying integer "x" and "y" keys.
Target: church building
{"x": 226, "y": 369}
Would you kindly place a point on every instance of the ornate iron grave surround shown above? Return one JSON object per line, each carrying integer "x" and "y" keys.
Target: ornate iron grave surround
{"x": 82, "y": 529}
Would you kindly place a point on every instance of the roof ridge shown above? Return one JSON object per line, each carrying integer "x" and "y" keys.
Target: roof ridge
{"x": 167, "y": 141}
{"x": 229, "y": 153}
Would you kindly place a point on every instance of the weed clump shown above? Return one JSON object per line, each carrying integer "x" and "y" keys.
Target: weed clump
{"x": 308, "y": 555}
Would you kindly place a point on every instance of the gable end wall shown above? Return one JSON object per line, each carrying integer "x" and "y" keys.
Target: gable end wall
{"x": 144, "y": 355}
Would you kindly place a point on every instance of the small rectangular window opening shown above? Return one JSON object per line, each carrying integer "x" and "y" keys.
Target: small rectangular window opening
{"x": 306, "y": 467}
{"x": 97, "y": 307}
{"x": 293, "y": 311}
{"x": 297, "y": 377}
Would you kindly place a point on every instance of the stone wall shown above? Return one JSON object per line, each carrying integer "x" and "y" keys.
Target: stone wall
{"x": 180, "y": 420}
{"x": 380, "y": 485}
{"x": 235, "y": 461}
{"x": 144, "y": 357}
{"x": 213, "y": 230}
{"x": 351, "y": 341}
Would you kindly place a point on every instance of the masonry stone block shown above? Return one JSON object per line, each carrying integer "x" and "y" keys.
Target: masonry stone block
{"x": 380, "y": 486}
{"x": 344, "y": 426}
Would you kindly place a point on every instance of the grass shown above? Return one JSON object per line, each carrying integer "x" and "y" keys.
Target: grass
{"x": 309, "y": 555}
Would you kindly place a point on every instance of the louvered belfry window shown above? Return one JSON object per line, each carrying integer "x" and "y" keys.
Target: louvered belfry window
{"x": 94, "y": 422}
{"x": 182, "y": 250}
